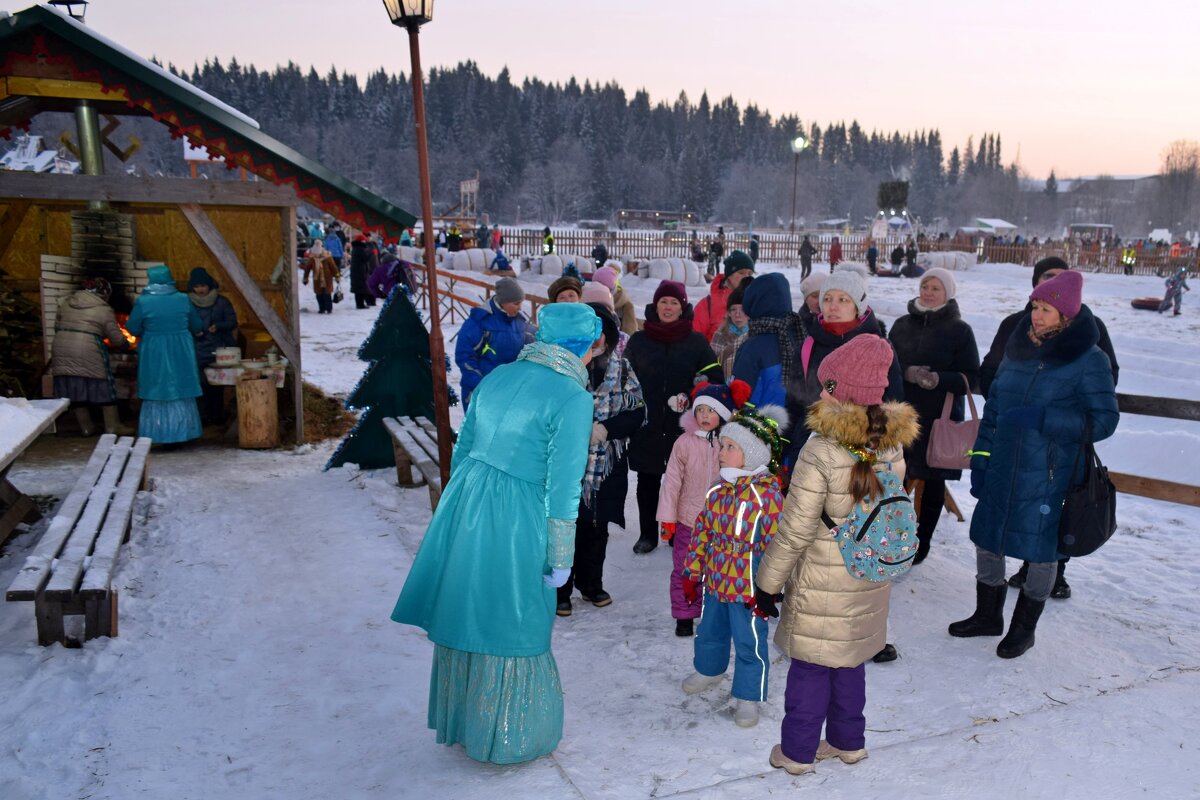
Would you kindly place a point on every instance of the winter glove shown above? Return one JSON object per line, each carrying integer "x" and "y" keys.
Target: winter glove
{"x": 765, "y": 603}
{"x": 599, "y": 433}
{"x": 557, "y": 577}
{"x": 678, "y": 403}
{"x": 921, "y": 376}
{"x": 668, "y": 531}
{"x": 1028, "y": 417}
{"x": 912, "y": 373}
{"x": 691, "y": 591}
{"x": 977, "y": 483}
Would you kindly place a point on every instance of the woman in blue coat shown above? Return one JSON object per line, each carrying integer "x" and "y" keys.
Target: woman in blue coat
{"x": 493, "y": 334}
{"x": 168, "y": 378}
{"x": 1053, "y": 392}
{"x": 502, "y": 540}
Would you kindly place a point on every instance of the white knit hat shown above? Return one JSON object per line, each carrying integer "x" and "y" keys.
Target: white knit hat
{"x": 945, "y": 276}
{"x": 759, "y": 433}
{"x": 813, "y": 283}
{"x": 851, "y": 279}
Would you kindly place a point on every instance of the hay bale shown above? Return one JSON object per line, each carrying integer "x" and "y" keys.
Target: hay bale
{"x": 551, "y": 265}
{"x": 659, "y": 269}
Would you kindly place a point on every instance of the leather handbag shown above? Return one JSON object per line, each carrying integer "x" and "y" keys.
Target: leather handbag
{"x": 1089, "y": 513}
{"x": 949, "y": 441}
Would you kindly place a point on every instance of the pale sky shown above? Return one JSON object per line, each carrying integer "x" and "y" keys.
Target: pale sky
{"x": 1081, "y": 86}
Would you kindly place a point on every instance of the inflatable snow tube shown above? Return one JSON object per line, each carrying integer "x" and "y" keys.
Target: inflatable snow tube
{"x": 1146, "y": 303}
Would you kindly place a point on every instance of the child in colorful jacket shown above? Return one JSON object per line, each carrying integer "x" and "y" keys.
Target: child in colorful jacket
{"x": 741, "y": 515}
{"x": 691, "y": 471}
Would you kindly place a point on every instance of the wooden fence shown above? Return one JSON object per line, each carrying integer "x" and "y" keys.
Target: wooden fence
{"x": 783, "y": 248}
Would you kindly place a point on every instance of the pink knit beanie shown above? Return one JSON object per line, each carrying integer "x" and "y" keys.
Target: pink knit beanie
{"x": 607, "y": 276}
{"x": 859, "y": 368}
{"x": 597, "y": 293}
{"x": 1064, "y": 291}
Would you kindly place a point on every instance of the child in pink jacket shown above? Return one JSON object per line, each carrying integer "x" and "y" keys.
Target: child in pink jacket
{"x": 691, "y": 472}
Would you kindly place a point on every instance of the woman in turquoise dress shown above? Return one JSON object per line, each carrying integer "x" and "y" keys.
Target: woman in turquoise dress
{"x": 502, "y": 540}
{"x": 168, "y": 379}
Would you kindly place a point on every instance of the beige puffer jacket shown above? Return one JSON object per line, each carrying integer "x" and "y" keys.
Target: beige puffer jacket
{"x": 81, "y": 318}
{"x": 828, "y": 617}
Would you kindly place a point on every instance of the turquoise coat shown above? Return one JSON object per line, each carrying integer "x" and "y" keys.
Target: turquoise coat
{"x": 1027, "y": 475}
{"x": 476, "y": 582}
{"x": 166, "y": 322}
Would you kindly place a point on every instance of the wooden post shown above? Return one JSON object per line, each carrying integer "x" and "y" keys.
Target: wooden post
{"x": 258, "y": 413}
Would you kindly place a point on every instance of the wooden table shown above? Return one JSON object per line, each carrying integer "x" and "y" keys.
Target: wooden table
{"x": 21, "y": 422}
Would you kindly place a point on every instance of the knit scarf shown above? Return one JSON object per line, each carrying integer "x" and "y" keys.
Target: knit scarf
{"x": 203, "y": 300}
{"x": 668, "y": 332}
{"x": 1038, "y": 341}
{"x": 841, "y": 328}
{"x": 789, "y": 332}
{"x": 559, "y": 359}
{"x": 619, "y": 391}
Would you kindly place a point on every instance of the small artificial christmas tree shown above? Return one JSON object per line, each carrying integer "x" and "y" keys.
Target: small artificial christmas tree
{"x": 398, "y": 383}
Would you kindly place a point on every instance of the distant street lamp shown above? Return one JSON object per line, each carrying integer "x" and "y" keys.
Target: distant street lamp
{"x": 798, "y": 145}
{"x": 411, "y": 15}
{"x": 76, "y": 9}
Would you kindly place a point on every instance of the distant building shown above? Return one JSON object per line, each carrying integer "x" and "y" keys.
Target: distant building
{"x": 654, "y": 218}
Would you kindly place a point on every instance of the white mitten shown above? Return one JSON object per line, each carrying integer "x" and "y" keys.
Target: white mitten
{"x": 678, "y": 403}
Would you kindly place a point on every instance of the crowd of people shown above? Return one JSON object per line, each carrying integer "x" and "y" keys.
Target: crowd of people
{"x": 755, "y": 430}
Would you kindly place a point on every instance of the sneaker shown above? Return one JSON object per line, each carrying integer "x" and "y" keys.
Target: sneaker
{"x": 888, "y": 653}
{"x": 780, "y": 761}
{"x": 564, "y": 609}
{"x": 696, "y": 683}
{"x": 600, "y": 599}
{"x": 746, "y": 713}
{"x": 826, "y": 750}
{"x": 684, "y": 627}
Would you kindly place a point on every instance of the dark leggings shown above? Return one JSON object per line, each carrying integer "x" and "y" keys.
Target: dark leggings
{"x": 591, "y": 545}
{"x": 933, "y": 500}
{"x": 648, "y": 486}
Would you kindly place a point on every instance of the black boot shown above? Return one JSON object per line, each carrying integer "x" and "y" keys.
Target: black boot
{"x": 923, "y": 543}
{"x": 888, "y": 653}
{"x": 1062, "y": 589}
{"x": 646, "y": 543}
{"x": 1020, "y": 632}
{"x": 1018, "y": 578}
{"x": 988, "y": 619}
{"x": 684, "y": 627}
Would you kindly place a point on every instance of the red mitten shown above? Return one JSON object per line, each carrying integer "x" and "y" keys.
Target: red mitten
{"x": 668, "y": 531}
{"x": 691, "y": 590}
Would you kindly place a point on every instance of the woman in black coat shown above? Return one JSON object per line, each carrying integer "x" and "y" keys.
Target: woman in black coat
{"x": 619, "y": 411}
{"x": 363, "y": 261}
{"x": 667, "y": 355}
{"x": 937, "y": 349}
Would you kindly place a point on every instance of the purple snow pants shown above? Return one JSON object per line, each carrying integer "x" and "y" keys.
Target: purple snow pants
{"x": 680, "y": 608}
{"x": 816, "y": 695}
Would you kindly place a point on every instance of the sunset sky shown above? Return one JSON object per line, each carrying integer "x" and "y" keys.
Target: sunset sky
{"x": 1083, "y": 87}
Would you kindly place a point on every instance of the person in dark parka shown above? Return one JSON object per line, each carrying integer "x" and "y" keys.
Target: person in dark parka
{"x": 363, "y": 262}
{"x": 844, "y": 315}
{"x": 1054, "y": 391}
{"x": 619, "y": 410}
{"x": 1043, "y": 270}
{"x": 937, "y": 350}
{"x": 220, "y": 321}
{"x": 667, "y": 356}
{"x": 771, "y": 355}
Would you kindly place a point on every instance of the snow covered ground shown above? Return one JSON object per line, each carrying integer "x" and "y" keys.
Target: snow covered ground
{"x": 256, "y": 658}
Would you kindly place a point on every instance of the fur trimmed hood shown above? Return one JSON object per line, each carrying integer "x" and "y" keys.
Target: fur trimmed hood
{"x": 847, "y": 423}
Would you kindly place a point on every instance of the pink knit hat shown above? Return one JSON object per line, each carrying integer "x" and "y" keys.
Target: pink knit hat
{"x": 1064, "y": 291}
{"x": 607, "y": 276}
{"x": 858, "y": 370}
{"x": 597, "y": 293}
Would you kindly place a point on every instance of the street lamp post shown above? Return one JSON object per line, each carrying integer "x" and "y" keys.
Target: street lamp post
{"x": 411, "y": 15}
{"x": 798, "y": 145}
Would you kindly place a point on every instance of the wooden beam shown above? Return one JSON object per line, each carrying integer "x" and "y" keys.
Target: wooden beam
{"x": 1168, "y": 407}
{"x": 133, "y": 189}
{"x": 13, "y": 217}
{"x": 1156, "y": 489}
{"x": 71, "y": 90}
{"x": 292, "y": 301}
{"x": 216, "y": 245}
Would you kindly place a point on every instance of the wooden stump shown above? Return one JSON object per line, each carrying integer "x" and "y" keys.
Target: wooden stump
{"x": 258, "y": 413}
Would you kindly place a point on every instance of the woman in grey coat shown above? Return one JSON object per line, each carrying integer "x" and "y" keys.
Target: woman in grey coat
{"x": 79, "y": 357}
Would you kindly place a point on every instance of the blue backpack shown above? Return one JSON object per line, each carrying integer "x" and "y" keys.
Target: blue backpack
{"x": 878, "y": 541}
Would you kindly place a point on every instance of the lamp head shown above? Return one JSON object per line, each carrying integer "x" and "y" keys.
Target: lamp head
{"x": 409, "y": 13}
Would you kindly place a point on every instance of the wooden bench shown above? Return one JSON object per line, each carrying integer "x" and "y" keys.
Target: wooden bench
{"x": 414, "y": 441}
{"x": 70, "y": 570}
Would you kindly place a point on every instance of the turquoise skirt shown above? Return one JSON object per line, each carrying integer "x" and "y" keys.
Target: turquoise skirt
{"x": 169, "y": 421}
{"x": 501, "y": 710}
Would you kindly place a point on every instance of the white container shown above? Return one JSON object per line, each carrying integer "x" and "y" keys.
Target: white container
{"x": 228, "y": 356}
